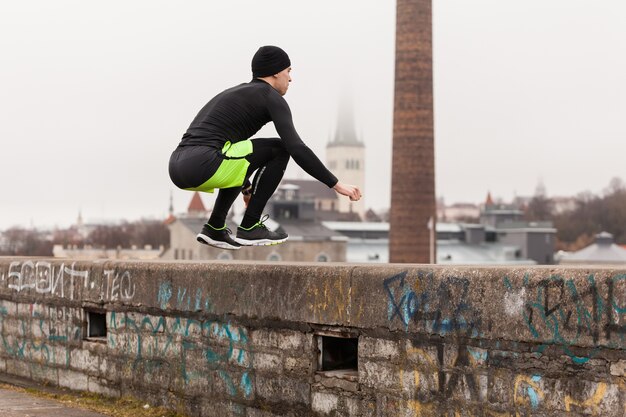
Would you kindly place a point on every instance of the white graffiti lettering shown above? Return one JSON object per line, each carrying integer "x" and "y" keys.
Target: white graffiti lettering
{"x": 64, "y": 281}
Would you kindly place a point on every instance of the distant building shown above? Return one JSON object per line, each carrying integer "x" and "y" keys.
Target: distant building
{"x": 345, "y": 157}
{"x": 91, "y": 253}
{"x": 497, "y": 214}
{"x": 501, "y": 237}
{"x": 536, "y": 240}
{"x": 603, "y": 251}
{"x": 367, "y": 241}
{"x": 309, "y": 240}
{"x": 322, "y": 203}
{"x": 74, "y": 246}
{"x": 457, "y": 212}
{"x": 196, "y": 208}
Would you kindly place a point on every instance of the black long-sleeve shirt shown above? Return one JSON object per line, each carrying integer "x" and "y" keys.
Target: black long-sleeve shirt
{"x": 239, "y": 112}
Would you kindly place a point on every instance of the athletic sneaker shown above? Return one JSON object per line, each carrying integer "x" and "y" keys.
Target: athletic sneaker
{"x": 259, "y": 235}
{"x": 219, "y": 238}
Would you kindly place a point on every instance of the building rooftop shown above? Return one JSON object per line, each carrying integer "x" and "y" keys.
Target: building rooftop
{"x": 460, "y": 253}
{"x": 310, "y": 188}
{"x": 603, "y": 250}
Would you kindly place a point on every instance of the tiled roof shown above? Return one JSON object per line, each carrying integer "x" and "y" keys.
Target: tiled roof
{"x": 196, "y": 204}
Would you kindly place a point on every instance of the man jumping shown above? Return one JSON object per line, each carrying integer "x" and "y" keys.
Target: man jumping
{"x": 217, "y": 152}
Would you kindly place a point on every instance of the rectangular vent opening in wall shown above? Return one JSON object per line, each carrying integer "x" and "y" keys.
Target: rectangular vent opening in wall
{"x": 338, "y": 355}
{"x": 96, "y": 325}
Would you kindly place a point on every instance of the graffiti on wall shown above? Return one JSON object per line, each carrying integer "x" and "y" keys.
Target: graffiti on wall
{"x": 182, "y": 298}
{"x": 451, "y": 381}
{"x": 66, "y": 281}
{"x": 440, "y": 306}
{"x": 202, "y": 350}
{"x": 556, "y": 311}
{"x": 559, "y": 311}
{"x": 42, "y": 335}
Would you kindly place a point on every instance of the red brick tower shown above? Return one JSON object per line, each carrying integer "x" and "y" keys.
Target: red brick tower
{"x": 413, "y": 169}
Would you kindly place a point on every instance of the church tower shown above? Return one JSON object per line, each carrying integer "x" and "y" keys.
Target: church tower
{"x": 345, "y": 157}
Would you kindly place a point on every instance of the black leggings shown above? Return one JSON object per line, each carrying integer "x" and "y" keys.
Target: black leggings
{"x": 269, "y": 158}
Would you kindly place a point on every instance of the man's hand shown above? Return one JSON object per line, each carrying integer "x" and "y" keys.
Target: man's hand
{"x": 348, "y": 190}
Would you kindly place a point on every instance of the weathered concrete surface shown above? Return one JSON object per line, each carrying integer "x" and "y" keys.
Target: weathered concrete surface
{"x": 576, "y": 306}
{"x": 432, "y": 340}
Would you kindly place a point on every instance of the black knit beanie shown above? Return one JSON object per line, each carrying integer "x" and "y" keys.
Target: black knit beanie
{"x": 269, "y": 60}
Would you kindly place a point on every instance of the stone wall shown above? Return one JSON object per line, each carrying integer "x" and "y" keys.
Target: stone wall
{"x": 242, "y": 339}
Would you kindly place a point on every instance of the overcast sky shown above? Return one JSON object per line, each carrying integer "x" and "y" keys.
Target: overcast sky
{"x": 94, "y": 96}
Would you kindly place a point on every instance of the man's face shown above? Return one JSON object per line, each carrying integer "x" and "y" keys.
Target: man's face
{"x": 282, "y": 80}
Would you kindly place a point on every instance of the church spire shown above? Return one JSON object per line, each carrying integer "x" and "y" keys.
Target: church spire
{"x": 345, "y": 134}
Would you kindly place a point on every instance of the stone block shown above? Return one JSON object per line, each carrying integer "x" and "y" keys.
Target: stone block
{"x": 153, "y": 373}
{"x": 189, "y": 330}
{"x": 289, "y": 390}
{"x": 226, "y": 333}
{"x": 115, "y": 320}
{"x": 502, "y": 387}
{"x": 324, "y": 402}
{"x": 104, "y": 365}
{"x": 45, "y": 374}
{"x": 116, "y": 341}
{"x": 417, "y": 384}
{"x": 192, "y": 382}
{"x": 287, "y": 340}
{"x": 618, "y": 368}
{"x": 303, "y": 365}
{"x": 18, "y": 367}
{"x": 59, "y": 355}
{"x": 234, "y": 383}
{"x": 7, "y": 309}
{"x": 390, "y": 406}
{"x": 84, "y": 361}
{"x": 266, "y": 362}
{"x": 40, "y": 328}
{"x": 149, "y": 324}
{"x": 167, "y": 347}
{"x": 378, "y": 375}
{"x": 102, "y": 387}
{"x": 73, "y": 380}
{"x": 591, "y": 398}
{"x": 239, "y": 357}
{"x": 24, "y": 310}
{"x": 130, "y": 345}
{"x": 15, "y": 327}
{"x": 378, "y": 348}
{"x": 12, "y": 346}
{"x": 263, "y": 338}
{"x": 359, "y": 407}
{"x": 291, "y": 341}
{"x": 337, "y": 382}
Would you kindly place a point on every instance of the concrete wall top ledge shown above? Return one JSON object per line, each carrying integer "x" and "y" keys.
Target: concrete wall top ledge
{"x": 573, "y": 305}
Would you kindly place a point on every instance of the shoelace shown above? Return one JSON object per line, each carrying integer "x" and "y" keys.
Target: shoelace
{"x": 261, "y": 222}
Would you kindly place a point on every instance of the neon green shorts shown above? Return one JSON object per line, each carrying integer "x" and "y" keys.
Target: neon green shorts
{"x": 232, "y": 170}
